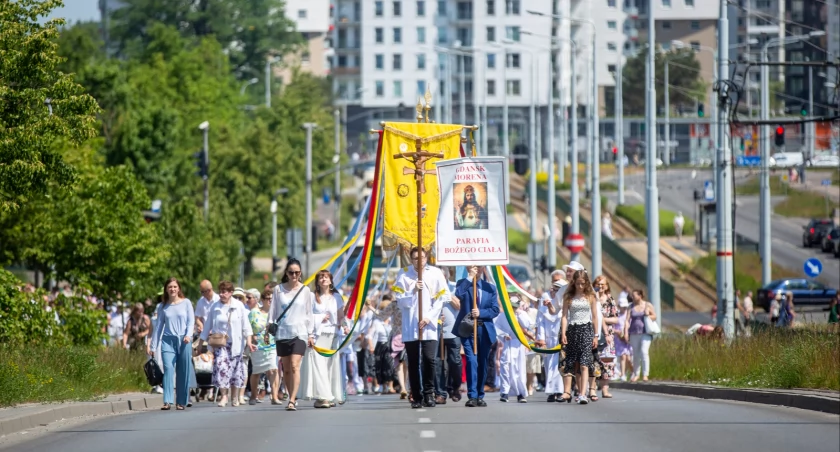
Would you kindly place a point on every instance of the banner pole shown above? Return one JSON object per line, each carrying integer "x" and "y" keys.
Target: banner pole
{"x": 475, "y": 322}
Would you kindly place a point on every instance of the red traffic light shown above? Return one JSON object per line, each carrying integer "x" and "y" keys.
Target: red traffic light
{"x": 615, "y": 150}
{"x": 780, "y": 130}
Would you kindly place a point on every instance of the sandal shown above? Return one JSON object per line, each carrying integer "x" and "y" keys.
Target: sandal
{"x": 606, "y": 395}
{"x": 593, "y": 395}
{"x": 566, "y": 399}
{"x": 166, "y": 407}
{"x": 291, "y": 406}
{"x": 179, "y": 407}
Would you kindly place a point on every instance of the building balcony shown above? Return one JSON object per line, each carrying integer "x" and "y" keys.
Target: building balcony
{"x": 763, "y": 29}
{"x": 345, "y": 48}
{"x": 633, "y": 34}
{"x": 347, "y": 21}
{"x": 345, "y": 71}
{"x": 632, "y": 12}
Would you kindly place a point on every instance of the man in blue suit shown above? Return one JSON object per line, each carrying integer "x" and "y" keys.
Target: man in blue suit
{"x": 487, "y": 310}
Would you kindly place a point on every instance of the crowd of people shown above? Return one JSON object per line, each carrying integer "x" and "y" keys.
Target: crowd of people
{"x": 289, "y": 342}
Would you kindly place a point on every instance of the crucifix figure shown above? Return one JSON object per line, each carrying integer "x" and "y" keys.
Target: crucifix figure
{"x": 419, "y": 158}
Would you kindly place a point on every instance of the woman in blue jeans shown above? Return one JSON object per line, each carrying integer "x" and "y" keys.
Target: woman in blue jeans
{"x": 173, "y": 333}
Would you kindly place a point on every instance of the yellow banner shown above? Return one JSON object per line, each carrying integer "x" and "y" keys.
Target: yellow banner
{"x": 400, "y": 142}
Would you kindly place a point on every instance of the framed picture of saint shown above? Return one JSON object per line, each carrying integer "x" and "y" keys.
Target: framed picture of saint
{"x": 470, "y": 201}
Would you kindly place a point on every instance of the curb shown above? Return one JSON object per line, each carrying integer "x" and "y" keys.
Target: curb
{"x": 805, "y": 401}
{"x": 57, "y": 412}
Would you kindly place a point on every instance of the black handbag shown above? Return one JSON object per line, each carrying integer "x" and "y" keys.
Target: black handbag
{"x": 153, "y": 373}
{"x": 272, "y": 327}
{"x": 466, "y": 327}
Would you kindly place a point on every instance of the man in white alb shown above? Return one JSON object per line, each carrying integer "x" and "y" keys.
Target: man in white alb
{"x": 420, "y": 335}
{"x": 548, "y": 334}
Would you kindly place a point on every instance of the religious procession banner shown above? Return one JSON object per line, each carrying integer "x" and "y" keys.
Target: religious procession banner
{"x": 409, "y": 152}
{"x": 472, "y": 221}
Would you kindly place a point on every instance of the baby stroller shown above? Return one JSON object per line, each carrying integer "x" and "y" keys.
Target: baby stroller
{"x": 203, "y": 366}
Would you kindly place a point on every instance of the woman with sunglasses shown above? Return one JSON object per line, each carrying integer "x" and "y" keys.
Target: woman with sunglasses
{"x": 296, "y": 329}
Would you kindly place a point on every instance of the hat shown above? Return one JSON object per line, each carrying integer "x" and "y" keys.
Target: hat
{"x": 239, "y": 292}
{"x": 574, "y": 265}
{"x": 623, "y": 303}
{"x": 514, "y": 300}
{"x": 559, "y": 283}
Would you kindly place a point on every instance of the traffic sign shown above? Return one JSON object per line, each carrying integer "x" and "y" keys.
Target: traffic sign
{"x": 748, "y": 160}
{"x": 748, "y": 136}
{"x": 813, "y": 267}
{"x": 709, "y": 190}
{"x": 825, "y": 182}
{"x": 575, "y": 243}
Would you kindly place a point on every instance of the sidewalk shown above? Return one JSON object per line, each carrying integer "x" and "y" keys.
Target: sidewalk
{"x": 24, "y": 417}
{"x": 813, "y": 400}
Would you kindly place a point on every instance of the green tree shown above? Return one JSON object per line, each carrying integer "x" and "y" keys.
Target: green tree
{"x": 250, "y": 30}
{"x": 29, "y": 126}
{"x": 684, "y": 77}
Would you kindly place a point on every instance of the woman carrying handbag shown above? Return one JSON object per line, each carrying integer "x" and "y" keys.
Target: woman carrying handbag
{"x": 640, "y": 326}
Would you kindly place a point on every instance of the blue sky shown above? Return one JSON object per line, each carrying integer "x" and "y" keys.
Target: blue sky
{"x": 77, "y": 10}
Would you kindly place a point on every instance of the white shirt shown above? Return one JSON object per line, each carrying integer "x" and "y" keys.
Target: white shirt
{"x": 435, "y": 288}
{"x": 299, "y": 320}
{"x": 202, "y": 307}
{"x": 328, "y": 305}
{"x": 238, "y": 328}
{"x": 748, "y": 305}
{"x": 379, "y": 332}
{"x": 548, "y": 325}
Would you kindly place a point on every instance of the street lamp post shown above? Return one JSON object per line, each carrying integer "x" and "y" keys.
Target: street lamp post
{"x": 309, "y": 238}
{"x": 205, "y": 127}
{"x": 246, "y": 85}
{"x": 619, "y": 127}
{"x": 337, "y": 162}
{"x": 651, "y": 188}
{"x": 268, "y": 62}
{"x": 277, "y": 193}
{"x": 725, "y": 263}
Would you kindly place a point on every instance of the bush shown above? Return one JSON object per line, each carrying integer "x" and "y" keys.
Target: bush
{"x": 747, "y": 270}
{"x": 46, "y": 373}
{"x": 635, "y": 215}
{"x": 24, "y": 317}
{"x": 518, "y": 241}
{"x": 82, "y": 322}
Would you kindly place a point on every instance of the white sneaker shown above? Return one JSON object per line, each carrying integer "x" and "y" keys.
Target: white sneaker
{"x": 158, "y": 390}
{"x": 583, "y": 400}
{"x": 624, "y": 378}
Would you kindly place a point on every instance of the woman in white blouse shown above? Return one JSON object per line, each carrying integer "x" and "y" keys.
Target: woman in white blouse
{"x": 296, "y": 328}
{"x": 229, "y": 316}
{"x": 320, "y": 377}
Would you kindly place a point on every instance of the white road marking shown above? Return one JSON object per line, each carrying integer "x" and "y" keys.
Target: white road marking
{"x": 421, "y": 410}
{"x": 424, "y": 420}
{"x": 427, "y": 434}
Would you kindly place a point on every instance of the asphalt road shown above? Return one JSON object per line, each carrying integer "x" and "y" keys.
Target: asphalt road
{"x": 630, "y": 422}
{"x": 676, "y": 187}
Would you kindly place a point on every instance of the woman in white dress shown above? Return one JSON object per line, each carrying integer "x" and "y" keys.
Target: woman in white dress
{"x": 321, "y": 376}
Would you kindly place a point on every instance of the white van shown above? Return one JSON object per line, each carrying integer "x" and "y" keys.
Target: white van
{"x": 786, "y": 159}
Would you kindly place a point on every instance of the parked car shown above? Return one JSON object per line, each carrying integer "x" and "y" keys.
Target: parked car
{"x": 824, "y": 161}
{"x": 786, "y": 159}
{"x": 827, "y": 242}
{"x": 805, "y": 292}
{"x": 814, "y": 231}
{"x": 837, "y": 247}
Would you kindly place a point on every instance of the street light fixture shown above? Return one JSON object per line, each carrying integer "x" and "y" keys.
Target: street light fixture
{"x": 247, "y": 84}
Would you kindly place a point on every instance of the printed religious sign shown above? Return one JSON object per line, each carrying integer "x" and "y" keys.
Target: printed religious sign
{"x": 409, "y": 152}
{"x": 472, "y": 221}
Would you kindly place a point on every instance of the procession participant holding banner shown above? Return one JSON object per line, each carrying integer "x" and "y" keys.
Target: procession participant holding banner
{"x": 480, "y": 305}
{"x": 420, "y": 337}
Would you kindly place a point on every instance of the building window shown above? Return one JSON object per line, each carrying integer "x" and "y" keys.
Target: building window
{"x": 491, "y": 7}
{"x": 397, "y": 9}
{"x": 513, "y": 61}
{"x": 491, "y": 87}
{"x": 379, "y": 35}
{"x": 304, "y": 57}
{"x": 491, "y": 61}
{"x": 441, "y": 10}
{"x": 421, "y": 8}
{"x": 689, "y": 3}
{"x": 397, "y": 88}
{"x": 421, "y": 35}
{"x": 666, "y": 25}
{"x": 611, "y": 3}
{"x": 421, "y": 87}
{"x": 666, "y": 3}
{"x": 464, "y": 36}
{"x": 380, "y": 61}
{"x": 397, "y": 35}
{"x": 695, "y": 25}
{"x": 380, "y": 88}
{"x": 491, "y": 34}
{"x": 611, "y": 46}
{"x": 514, "y": 88}
{"x": 464, "y": 11}
{"x": 301, "y": 14}
{"x": 421, "y": 61}
{"x": 611, "y": 68}
{"x": 378, "y": 8}
{"x": 512, "y": 7}
{"x": 512, "y": 33}
{"x": 695, "y": 46}
{"x": 612, "y": 25}
{"x": 442, "y": 37}
{"x": 342, "y": 61}
{"x": 397, "y": 62}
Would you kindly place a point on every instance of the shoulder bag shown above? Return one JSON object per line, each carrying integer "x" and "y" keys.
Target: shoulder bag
{"x": 219, "y": 340}
{"x": 272, "y": 327}
{"x": 651, "y": 327}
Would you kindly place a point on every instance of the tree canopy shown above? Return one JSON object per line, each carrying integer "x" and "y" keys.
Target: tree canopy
{"x": 684, "y": 77}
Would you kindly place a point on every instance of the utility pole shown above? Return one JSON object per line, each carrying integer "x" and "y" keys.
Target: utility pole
{"x": 282, "y": 191}
{"x": 462, "y": 88}
{"x": 205, "y": 128}
{"x": 596, "y": 166}
{"x": 309, "y": 238}
{"x": 552, "y": 186}
{"x": 337, "y": 161}
{"x": 532, "y": 152}
{"x": 812, "y": 126}
{"x": 725, "y": 262}
{"x": 651, "y": 189}
{"x": 666, "y": 153}
{"x": 573, "y": 141}
{"x": 619, "y": 115}
{"x": 505, "y": 124}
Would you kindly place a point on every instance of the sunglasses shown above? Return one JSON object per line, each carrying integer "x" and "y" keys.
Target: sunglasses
{"x": 292, "y": 273}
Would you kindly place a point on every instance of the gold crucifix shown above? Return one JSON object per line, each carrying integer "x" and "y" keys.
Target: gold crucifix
{"x": 419, "y": 158}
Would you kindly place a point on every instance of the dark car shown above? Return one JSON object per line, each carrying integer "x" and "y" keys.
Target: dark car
{"x": 827, "y": 243}
{"x": 814, "y": 232}
{"x": 805, "y": 292}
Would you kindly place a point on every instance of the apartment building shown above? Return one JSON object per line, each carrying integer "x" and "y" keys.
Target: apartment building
{"x": 803, "y": 17}
{"x": 313, "y": 20}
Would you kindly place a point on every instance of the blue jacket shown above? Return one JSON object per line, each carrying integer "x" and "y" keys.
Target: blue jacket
{"x": 488, "y": 308}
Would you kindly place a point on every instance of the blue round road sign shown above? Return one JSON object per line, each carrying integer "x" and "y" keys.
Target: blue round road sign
{"x": 813, "y": 267}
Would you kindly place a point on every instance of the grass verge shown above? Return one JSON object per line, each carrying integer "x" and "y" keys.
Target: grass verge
{"x": 752, "y": 186}
{"x": 58, "y": 374}
{"x": 747, "y": 271}
{"x": 518, "y": 241}
{"x": 770, "y": 358}
{"x": 635, "y": 215}
{"x": 797, "y": 204}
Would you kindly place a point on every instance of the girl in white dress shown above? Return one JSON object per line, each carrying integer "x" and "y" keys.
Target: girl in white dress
{"x": 321, "y": 376}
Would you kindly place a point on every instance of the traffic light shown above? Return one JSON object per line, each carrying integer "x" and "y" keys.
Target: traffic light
{"x": 780, "y": 136}
{"x": 275, "y": 264}
{"x": 520, "y": 159}
{"x": 615, "y": 150}
{"x": 803, "y": 110}
{"x": 200, "y": 164}
{"x": 701, "y": 110}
